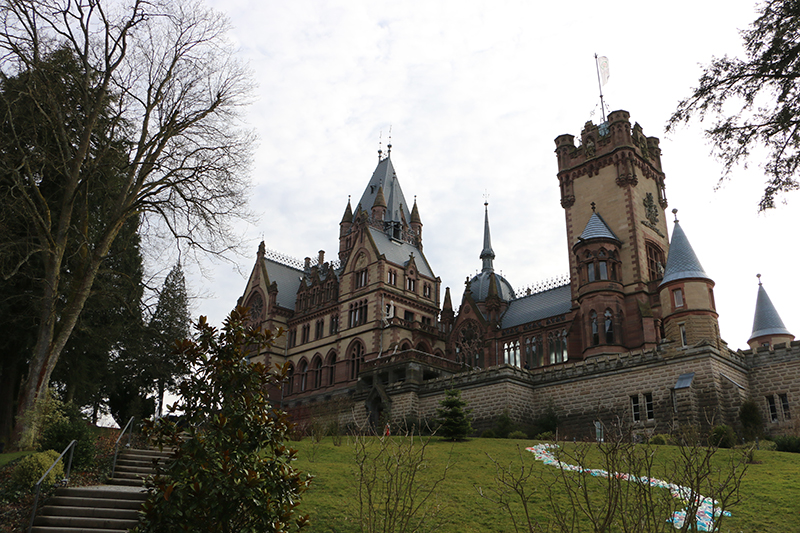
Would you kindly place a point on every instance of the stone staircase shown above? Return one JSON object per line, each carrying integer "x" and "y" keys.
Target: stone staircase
{"x": 111, "y": 508}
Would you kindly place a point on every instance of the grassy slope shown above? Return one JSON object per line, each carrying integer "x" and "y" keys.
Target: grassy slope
{"x": 6, "y": 458}
{"x": 770, "y": 490}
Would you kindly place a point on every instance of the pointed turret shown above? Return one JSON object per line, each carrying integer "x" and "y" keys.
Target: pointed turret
{"x": 682, "y": 262}
{"x": 447, "y": 316}
{"x": 384, "y": 179}
{"x": 768, "y": 328}
{"x": 597, "y": 228}
{"x": 416, "y": 224}
{"x": 347, "y": 218}
{"x": 379, "y": 206}
{"x": 487, "y": 254}
{"x": 687, "y": 295}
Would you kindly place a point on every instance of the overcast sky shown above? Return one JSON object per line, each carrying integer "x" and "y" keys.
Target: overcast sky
{"x": 475, "y": 92}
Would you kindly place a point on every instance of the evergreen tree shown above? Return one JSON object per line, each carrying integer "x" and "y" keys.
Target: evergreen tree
{"x": 453, "y": 417}
{"x": 169, "y": 324}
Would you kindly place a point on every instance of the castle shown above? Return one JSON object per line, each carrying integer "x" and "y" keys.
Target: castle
{"x": 631, "y": 335}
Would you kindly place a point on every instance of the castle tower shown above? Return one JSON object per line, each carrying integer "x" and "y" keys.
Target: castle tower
{"x": 490, "y": 290}
{"x": 615, "y": 171}
{"x": 768, "y": 328}
{"x": 687, "y": 295}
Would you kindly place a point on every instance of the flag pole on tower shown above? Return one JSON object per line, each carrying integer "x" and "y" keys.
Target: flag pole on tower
{"x": 601, "y": 63}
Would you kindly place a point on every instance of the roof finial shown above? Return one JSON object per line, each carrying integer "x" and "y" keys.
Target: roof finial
{"x": 486, "y": 198}
{"x": 594, "y": 206}
{"x": 380, "y": 151}
{"x": 389, "y": 146}
{"x": 675, "y": 212}
{"x": 759, "y": 278}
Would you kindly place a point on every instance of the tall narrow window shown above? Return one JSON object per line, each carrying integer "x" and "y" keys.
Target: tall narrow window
{"x": 564, "y": 346}
{"x": 361, "y": 278}
{"x": 773, "y": 409}
{"x": 683, "y": 334}
{"x": 635, "y": 408}
{"x": 303, "y": 375}
{"x": 608, "y": 326}
{"x": 603, "y": 270}
{"x": 595, "y": 332}
{"x": 648, "y": 404}
{"x": 318, "y": 373}
{"x": 289, "y": 380}
{"x": 590, "y": 272}
{"x": 677, "y": 296}
{"x": 655, "y": 261}
{"x": 785, "y": 406}
{"x": 332, "y": 369}
{"x": 356, "y": 359}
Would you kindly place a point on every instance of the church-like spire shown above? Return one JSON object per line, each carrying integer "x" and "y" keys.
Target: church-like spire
{"x": 487, "y": 255}
{"x": 415, "y": 214}
{"x": 767, "y": 321}
{"x": 348, "y": 213}
{"x": 682, "y": 262}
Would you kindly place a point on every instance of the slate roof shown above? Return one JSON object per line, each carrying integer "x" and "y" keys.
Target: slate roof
{"x": 398, "y": 252}
{"x": 479, "y": 286}
{"x": 597, "y": 228}
{"x": 766, "y": 320}
{"x": 288, "y": 280}
{"x": 537, "y": 306}
{"x": 682, "y": 262}
{"x": 385, "y": 176}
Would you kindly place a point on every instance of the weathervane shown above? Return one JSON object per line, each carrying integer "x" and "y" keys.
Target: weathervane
{"x": 486, "y": 197}
{"x": 380, "y": 151}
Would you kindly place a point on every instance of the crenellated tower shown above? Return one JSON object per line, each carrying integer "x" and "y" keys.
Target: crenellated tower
{"x": 612, "y": 192}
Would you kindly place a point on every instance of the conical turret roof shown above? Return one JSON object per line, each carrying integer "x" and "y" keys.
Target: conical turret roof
{"x": 348, "y": 213}
{"x": 415, "y": 214}
{"x": 682, "y": 262}
{"x": 384, "y": 179}
{"x": 597, "y": 228}
{"x": 380, "y": 201}
{"x": 766, "y": 321}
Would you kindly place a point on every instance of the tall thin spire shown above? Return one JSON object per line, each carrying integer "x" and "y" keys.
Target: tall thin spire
{"x": 487, "y": 255}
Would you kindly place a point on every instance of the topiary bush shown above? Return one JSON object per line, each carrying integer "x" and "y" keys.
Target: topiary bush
{"x": 517, "y": 435}
{"x": 58, "y": 433}
{"x": 32, "y": 467}
{"x": 722, "y": 436}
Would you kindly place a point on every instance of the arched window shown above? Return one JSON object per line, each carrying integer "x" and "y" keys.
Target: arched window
{"x": 356, "y": 359}
{"x": 564, "y": 355}
{"x": 316, "y": 365}
{"x": 469, "y": 344}
{"x": 608, "y": 316}
{"x": 331, "y": 368}
{"x": 595, "y": 330}
{"x": 517, "y": 359}
{"x": 303, "y": 374}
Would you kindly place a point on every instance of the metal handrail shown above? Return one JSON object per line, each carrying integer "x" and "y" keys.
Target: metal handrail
{"x": 116, "y": 446}
{"x": 71, "y": 448}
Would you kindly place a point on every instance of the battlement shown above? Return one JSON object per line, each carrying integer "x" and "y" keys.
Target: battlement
{"x": 764, "y": 356}
{"x": 599, "y": 140}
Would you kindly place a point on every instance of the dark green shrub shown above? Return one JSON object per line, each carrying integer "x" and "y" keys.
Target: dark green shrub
{"x": 750, "y": 418}
{"x": 453, "y": 417}
{"x": 231, "y": 469}
{"x": 488, "y": 434}
{"x": 723, "y": 437}
{"x": 517, "y": 435}
{"x": 767, "y": 445}
{"x": 787, "y": 443}
{"x": 547, "y": 435}
{"x": 32, "y": 467}
{"x": 659, "y": 440}
{"x": 547, "y": 423}
{"x": 504, "y": 425}
{"x": 58, "y": 434}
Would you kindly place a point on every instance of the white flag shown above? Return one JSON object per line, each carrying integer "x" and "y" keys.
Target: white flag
{"x": 602, "y": 65}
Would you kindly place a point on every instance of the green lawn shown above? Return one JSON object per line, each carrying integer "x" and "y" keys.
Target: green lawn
{"x": 770, "y": 489}
{"x": 6, "y": 458}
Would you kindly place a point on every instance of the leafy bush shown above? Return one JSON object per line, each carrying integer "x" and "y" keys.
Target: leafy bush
{"x": 517, "y": 435}
{"x": 547, "y": 435}
{"x": 787, "y": 443}
{"x": 231, "y": 469}
{"x": 750, "y": 418}
{"x": 659, "y": 440}
{"x": 488, "y": 434}
{"x": 60, "y": 431}
{"x": 547, "y": 423}
{"x": 723, "y": 436}
{"x": 32, "y": 467}
{"x": 767, "y": 445}
{"x": 504, "y": 425}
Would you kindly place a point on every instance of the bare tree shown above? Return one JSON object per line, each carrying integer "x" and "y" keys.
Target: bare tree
{"x": 148, "y": 113}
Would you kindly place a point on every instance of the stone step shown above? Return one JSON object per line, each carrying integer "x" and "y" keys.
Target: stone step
{"x": 118, "y": 482}
{"x": 101, "y": 492}
{"x": 131, "y": 513}
{"x": 105, "y": 503}
{"x": 85, "y": 522}
{"x": 49, "y": 529}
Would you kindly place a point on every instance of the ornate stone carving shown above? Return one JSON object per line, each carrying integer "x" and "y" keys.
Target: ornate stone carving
{"x": 568, "y": 201}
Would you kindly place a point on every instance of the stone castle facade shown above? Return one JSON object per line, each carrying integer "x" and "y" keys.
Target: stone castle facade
{"x": 630, "y": 336}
